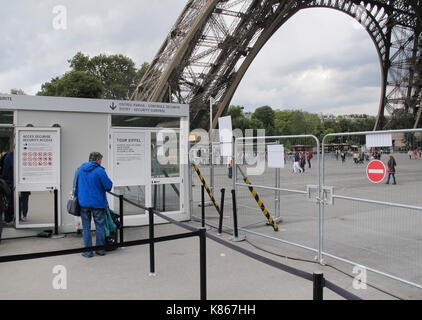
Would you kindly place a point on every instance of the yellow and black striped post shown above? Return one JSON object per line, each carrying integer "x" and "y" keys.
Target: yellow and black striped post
{"x": 261, "y": 204}
{"x": 201, "y": 177}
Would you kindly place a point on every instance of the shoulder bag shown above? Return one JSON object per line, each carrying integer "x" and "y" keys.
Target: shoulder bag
{"x": 73, "y": 207}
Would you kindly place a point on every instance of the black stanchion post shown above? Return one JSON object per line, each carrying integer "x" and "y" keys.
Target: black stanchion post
{"x": 235, "y": 237}
{"x": 164, "y": 197}
{"x": 203, "y": 262}
{"x": 203, "y": 205}
{"x": 220, "y": 224}
{"x": 56, "y": 234}
{"x": 56, "y": 212}
{"x": 234, "y": 214}
{"x": 151, "y": 242}
{"x": 318, "y": 279}
{"x": 121, "y": 218}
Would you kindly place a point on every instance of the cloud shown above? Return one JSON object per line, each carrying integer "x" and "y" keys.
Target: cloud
{"x": 33, "y": 52}
{"x": 319, "y": 60}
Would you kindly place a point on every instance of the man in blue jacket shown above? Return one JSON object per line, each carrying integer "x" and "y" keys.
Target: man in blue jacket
{"x": 91, "y": 188}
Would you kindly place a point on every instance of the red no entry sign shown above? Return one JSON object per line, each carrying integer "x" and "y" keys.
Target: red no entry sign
{"x": 376, "y": 171}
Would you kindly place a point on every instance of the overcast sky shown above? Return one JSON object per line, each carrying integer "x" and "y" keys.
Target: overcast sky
{"x": 319, "y": 61}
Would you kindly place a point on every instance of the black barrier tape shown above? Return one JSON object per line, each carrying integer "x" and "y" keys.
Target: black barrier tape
{"x": 39, "y": 255}
{"x": 128, "y": 201}
{"x": 340, "y": 291}
{"x": 182, "y": 225}
{"x": 305, "y": 275}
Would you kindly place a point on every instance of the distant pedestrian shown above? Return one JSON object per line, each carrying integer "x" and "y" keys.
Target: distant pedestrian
{"x": 409, "y": 153}
{"x": 296, "y": 160}
{"x": 309, "y": 157}
{"x": 337, "y": 154}
{"x": 302, "y": 161}
{"x": 391, "y": 169}
{"x": 415, "y": 155}
{"x": 355, "y": 156}
{"x": 343, "y": 156}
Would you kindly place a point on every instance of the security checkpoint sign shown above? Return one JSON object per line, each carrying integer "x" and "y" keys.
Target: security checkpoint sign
{"x": 38, "y": 158}
{"x": 376, "y": 171}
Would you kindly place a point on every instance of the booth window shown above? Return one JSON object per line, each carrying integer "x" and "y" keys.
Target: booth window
{"x": 6, "y": 117}
{"x": 145, "y": 122}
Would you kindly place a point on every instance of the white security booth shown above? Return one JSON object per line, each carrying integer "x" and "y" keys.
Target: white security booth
{"x": 145, "y": 149}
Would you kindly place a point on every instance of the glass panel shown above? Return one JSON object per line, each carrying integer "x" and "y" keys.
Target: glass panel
{"x": 166, "y": 197}
{"x": 169, "y": 152}
{"x": 135, "y": 194}
{"x": 6, "y": 117}
{"x": 35, "y": 207}
{"x": 145, "y": 122}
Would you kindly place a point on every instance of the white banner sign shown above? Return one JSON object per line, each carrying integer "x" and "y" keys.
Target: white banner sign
{"x": 276, "y": 156}
{"x": 225, "y": 131}
{"x": 129, "y": 158}
{"x": 379, "y": 140}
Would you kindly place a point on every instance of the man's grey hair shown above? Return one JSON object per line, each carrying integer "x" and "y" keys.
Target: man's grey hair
{"x": 94, "y": 156}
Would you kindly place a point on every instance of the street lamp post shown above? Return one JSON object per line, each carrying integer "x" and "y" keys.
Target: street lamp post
{"x": 212, "y": 101}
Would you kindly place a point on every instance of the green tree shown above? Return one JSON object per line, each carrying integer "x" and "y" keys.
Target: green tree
{"x": 73, "y": 84}
{"x": 235, "y": 112}
{"x": 117, "y": 73}
{"x": 265, "y": 115}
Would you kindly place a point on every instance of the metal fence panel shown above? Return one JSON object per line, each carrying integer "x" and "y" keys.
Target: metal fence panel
{"x": 331, "y": 209}
{"x": 283, "y": 191}
{"x": 375, "y": 225}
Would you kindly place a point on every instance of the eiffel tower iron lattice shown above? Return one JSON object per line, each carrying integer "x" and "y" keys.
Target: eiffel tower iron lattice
{"x": 213, "y": 43}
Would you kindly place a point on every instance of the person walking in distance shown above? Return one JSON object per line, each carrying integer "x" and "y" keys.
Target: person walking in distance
{"x": 91, "y": 188}
{"x": 302, "y": 161}
{"x": 391, "y": 169}
{"x": 309, "y": 157}
{"x": 296, "y": 162}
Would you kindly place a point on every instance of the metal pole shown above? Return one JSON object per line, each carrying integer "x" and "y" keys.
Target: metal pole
{"x": 211, "y": 150}
{"x": 220, "y": 224}
{"x": 234, "y": 164}
{"x": 203, "y": 205}
{"x": 234, "y": 214}
{"x": 56, "y": 212}
{"x": 203, "y": 263}
{"x": 155, "y": 196}
{"x": 235, "y": 237}
{"x": 56, "y": 234}
{"x": 151, "y": 242}
{"x": 318, "y": 279}
{"x": 164, "y": 197}
{"x": 121, "y": 218}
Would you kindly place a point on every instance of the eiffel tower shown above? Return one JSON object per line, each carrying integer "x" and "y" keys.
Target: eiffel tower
{"x": 213, "y": 42}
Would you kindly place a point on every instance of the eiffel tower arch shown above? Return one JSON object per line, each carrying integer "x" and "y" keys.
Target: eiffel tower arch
{"x": 213, "y": 43}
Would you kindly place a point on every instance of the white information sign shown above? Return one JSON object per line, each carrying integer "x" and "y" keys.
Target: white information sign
{"x": 129, "y": 158}
{"x": 379, "y": 140}
{"x": 38, "y": 156}
{"x": 276, "y": 156}
{"x": 225, "y": 131}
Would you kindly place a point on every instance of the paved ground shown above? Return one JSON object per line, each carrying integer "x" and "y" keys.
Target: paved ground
{"x": 386, "y": 238}
{"x": 124, "y": 273}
